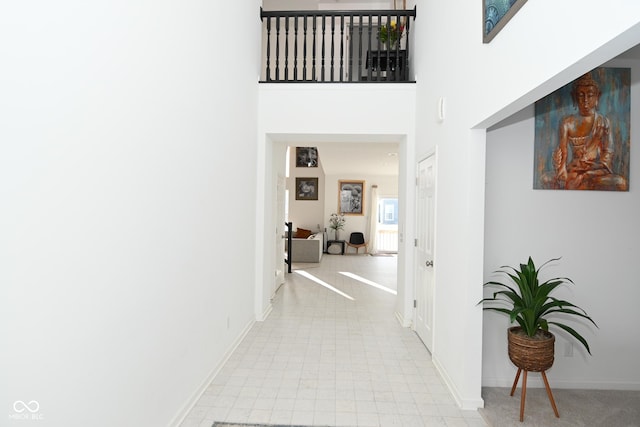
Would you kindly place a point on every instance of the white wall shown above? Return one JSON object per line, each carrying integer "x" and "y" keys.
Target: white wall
{"x": 483, "y": 84}
{"x": 595, "y": 233}
{"x": 123, "y": 206}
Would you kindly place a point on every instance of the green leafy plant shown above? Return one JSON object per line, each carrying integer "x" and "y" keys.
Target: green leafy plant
{"x": 336, "y": 221}
{"x": 390, "y": 33}
{"x": 530, "y": 304}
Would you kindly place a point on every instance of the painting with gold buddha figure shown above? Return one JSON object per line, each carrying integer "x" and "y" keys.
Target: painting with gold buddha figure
{"x": 582, "y": 139}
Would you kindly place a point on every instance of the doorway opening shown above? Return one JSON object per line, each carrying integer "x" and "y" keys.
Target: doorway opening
{"x": 389, "y": 211}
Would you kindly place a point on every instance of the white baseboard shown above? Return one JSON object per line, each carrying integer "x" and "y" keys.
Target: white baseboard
{"x": 193, "y": 400}
{"x": 534, "y": 380}
{"x": 267, "y": 311}
{"x": 404, "y": 323}
{"x": 465, "y": 404}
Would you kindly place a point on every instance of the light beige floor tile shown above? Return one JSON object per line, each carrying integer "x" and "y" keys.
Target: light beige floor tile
{"x": 322, "y": 359}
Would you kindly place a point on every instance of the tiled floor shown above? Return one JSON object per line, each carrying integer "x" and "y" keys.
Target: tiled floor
{"x": 332, "y": 357}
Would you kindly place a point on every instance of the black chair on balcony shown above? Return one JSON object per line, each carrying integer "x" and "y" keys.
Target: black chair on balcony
{"x": 356, "y": 240}
{"x": 386, "y": 65}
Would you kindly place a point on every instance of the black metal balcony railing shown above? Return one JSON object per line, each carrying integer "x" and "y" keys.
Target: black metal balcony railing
{"x": 335, "y": 46}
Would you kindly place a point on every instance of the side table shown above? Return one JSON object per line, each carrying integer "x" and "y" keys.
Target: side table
{"x": 340, "y": 242}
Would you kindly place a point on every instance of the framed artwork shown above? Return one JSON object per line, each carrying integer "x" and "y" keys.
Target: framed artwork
{"x": 306, "y": 157}
{"x": 496, "y": 14}
{"x": 306, "y": 188}
{"x": 351, "y": 197}
{"x": 581, "y": 137}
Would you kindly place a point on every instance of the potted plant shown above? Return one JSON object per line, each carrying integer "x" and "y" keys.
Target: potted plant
{"x": 390, "y": 33}
{"x": 530, "y": 304}
{"x": 336, "y": 222}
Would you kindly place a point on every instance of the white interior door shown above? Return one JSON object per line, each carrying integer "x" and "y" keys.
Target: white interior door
{"x": 424, "y": 286}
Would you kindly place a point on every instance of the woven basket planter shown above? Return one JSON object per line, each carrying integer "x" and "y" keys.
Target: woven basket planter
{"x": 531, "y": 354}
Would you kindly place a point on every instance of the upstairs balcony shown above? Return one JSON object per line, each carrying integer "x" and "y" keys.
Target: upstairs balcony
{"x": 346, "y": 46}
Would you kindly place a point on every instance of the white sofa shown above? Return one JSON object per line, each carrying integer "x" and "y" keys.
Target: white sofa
{"x": 307, "y": 250}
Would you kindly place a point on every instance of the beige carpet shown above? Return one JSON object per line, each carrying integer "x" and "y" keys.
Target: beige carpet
{"x": 588, "y": 408}
{"x": 243, "y": 425}
{"x": 216, "y": 424}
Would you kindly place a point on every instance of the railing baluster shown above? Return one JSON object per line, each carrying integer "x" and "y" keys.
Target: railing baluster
{"x": 286, "y": 48}
{"x": 379, "y": 48}
{"x": 360, "y": 47}
{"x": 396, "y": 68}
{"x": 407, "y": 23}
{"x": 304, "y": 49}
{"x": 295, "y": 49}
{"x": 388, "y": 63}
{"x": 278, "y": 48}
{"x": 324, "y": 23}
{"x": 342, "y": 48}
{"x": 268, "y": 71}
{"x": 333, "y": 31}
{"x": 313, "y": 70}
{"x": 369, "y": 23}
{"x": 350, "y": 48}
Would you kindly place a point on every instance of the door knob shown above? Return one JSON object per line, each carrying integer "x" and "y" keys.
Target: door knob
{"x": 429, "y": 263}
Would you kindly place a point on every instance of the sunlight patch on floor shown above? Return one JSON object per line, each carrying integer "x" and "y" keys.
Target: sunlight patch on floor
{"x": 368, "y": 282}
{"x": 323, "y": 283}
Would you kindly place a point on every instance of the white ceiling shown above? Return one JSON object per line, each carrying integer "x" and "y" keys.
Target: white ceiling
{"x": 359, "y": 158}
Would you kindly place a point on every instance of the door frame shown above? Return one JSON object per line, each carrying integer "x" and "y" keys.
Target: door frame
{"x": 265, "y": 224}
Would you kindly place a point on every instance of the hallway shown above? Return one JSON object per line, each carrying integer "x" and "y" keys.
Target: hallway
{"x": 332, "y": 353}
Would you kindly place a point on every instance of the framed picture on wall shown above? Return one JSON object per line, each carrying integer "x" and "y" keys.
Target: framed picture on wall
{"x": 306, "y": 157}
{"x": 582, "y": 133}
{"x": 496, "y": 14}
{"x": 351, "y": 197}
{"x": 306, "y": 188}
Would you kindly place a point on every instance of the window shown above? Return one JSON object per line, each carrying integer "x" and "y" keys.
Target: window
{"x": 388, "y": 211}
{"x": 387, "y": 226}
